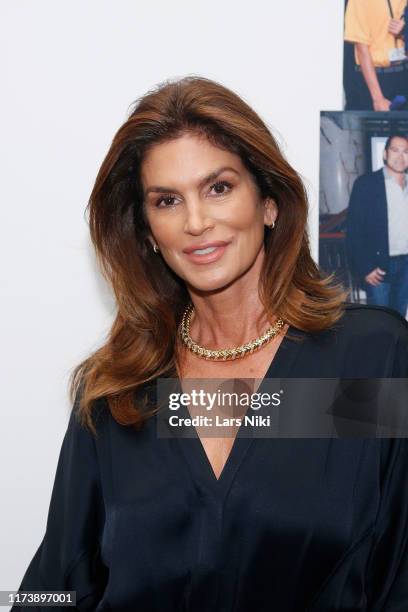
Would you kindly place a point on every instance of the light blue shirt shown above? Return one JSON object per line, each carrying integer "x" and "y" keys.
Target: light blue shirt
{"x": 397, "y": 209}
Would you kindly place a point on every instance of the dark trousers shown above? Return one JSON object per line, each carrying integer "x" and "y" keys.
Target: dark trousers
{"x": 393, "y": 83}
{"x": 393, "y": 290}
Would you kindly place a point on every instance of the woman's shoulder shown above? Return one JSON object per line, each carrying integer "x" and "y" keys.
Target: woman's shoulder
{"x": 366, "y": 341}
{"x": 374, "y": 340}
{"x": 361, "y": 321}
{"x": 99, "y": 415}
{"x": 368, "y": 319}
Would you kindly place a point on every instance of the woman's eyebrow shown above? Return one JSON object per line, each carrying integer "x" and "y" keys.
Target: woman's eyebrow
{"x": 204, "y": 181}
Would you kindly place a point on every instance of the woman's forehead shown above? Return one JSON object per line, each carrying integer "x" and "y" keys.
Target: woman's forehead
{"x": 187, "y": 158}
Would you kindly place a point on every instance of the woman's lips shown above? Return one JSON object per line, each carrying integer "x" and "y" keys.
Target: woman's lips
{"x": 208, "y": 257}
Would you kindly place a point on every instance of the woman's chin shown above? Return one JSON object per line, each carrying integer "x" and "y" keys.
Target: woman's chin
{"x": 209, "y": 284}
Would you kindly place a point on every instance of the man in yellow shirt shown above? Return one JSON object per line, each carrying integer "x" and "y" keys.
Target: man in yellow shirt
{"x": 380, "y": 73}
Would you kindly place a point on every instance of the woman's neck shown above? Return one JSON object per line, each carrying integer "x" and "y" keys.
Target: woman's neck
{"x": 230, "y": 317}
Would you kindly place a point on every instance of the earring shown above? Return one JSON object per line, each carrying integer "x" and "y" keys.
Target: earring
{"x": 272, "y": 225}
{"x": 155, "y": 248}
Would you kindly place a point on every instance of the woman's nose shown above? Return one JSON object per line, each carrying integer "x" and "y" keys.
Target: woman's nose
{"x": 197, "y": 219}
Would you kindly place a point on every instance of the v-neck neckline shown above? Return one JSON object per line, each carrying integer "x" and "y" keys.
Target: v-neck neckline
{"x": 192, "y": 448}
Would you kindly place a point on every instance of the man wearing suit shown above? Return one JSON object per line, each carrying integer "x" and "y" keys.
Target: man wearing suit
{"x": 377, "y": 229}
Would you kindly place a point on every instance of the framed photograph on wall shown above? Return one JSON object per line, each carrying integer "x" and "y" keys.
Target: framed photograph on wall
{"x": 363, "y": 205}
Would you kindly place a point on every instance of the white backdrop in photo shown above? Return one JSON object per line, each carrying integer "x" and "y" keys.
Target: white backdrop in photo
{"x": 70, "y": 71}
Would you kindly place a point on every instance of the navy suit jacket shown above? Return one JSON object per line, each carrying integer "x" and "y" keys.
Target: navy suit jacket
{"x": 367, "y": 225}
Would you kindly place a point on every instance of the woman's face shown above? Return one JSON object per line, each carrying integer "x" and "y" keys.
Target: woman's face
{"x": 196, "y": 194}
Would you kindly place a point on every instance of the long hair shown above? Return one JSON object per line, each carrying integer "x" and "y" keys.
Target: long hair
{"x": 142, "y": 342}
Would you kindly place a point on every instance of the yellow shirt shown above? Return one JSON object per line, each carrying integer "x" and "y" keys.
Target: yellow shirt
{"x": 367, "y": 21}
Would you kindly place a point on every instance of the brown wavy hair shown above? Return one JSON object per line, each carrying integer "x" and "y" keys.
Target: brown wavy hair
{"x": 142, "y": 342}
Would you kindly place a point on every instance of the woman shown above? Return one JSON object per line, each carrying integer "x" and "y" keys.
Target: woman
{"x": 199, "y": 224}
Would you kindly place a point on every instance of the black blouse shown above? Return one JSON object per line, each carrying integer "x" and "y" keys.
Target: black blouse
{"x": 141, "y": 523}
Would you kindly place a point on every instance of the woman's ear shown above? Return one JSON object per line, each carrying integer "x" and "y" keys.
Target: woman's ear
{"x": 153, "y": 243}
{"x": 270, "y": 212}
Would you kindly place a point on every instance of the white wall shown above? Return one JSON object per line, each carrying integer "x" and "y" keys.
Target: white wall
{"x": 70, "y": 71}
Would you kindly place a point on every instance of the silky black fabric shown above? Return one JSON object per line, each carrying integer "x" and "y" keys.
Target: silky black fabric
{"x": 140, "y": 523}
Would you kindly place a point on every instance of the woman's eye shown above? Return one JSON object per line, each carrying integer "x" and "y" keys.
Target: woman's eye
{"x": 168, "y": 201}
{"x": 220, "y": 187}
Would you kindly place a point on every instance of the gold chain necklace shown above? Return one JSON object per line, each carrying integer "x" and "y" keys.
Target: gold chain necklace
{"x": 225, "y": 354}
